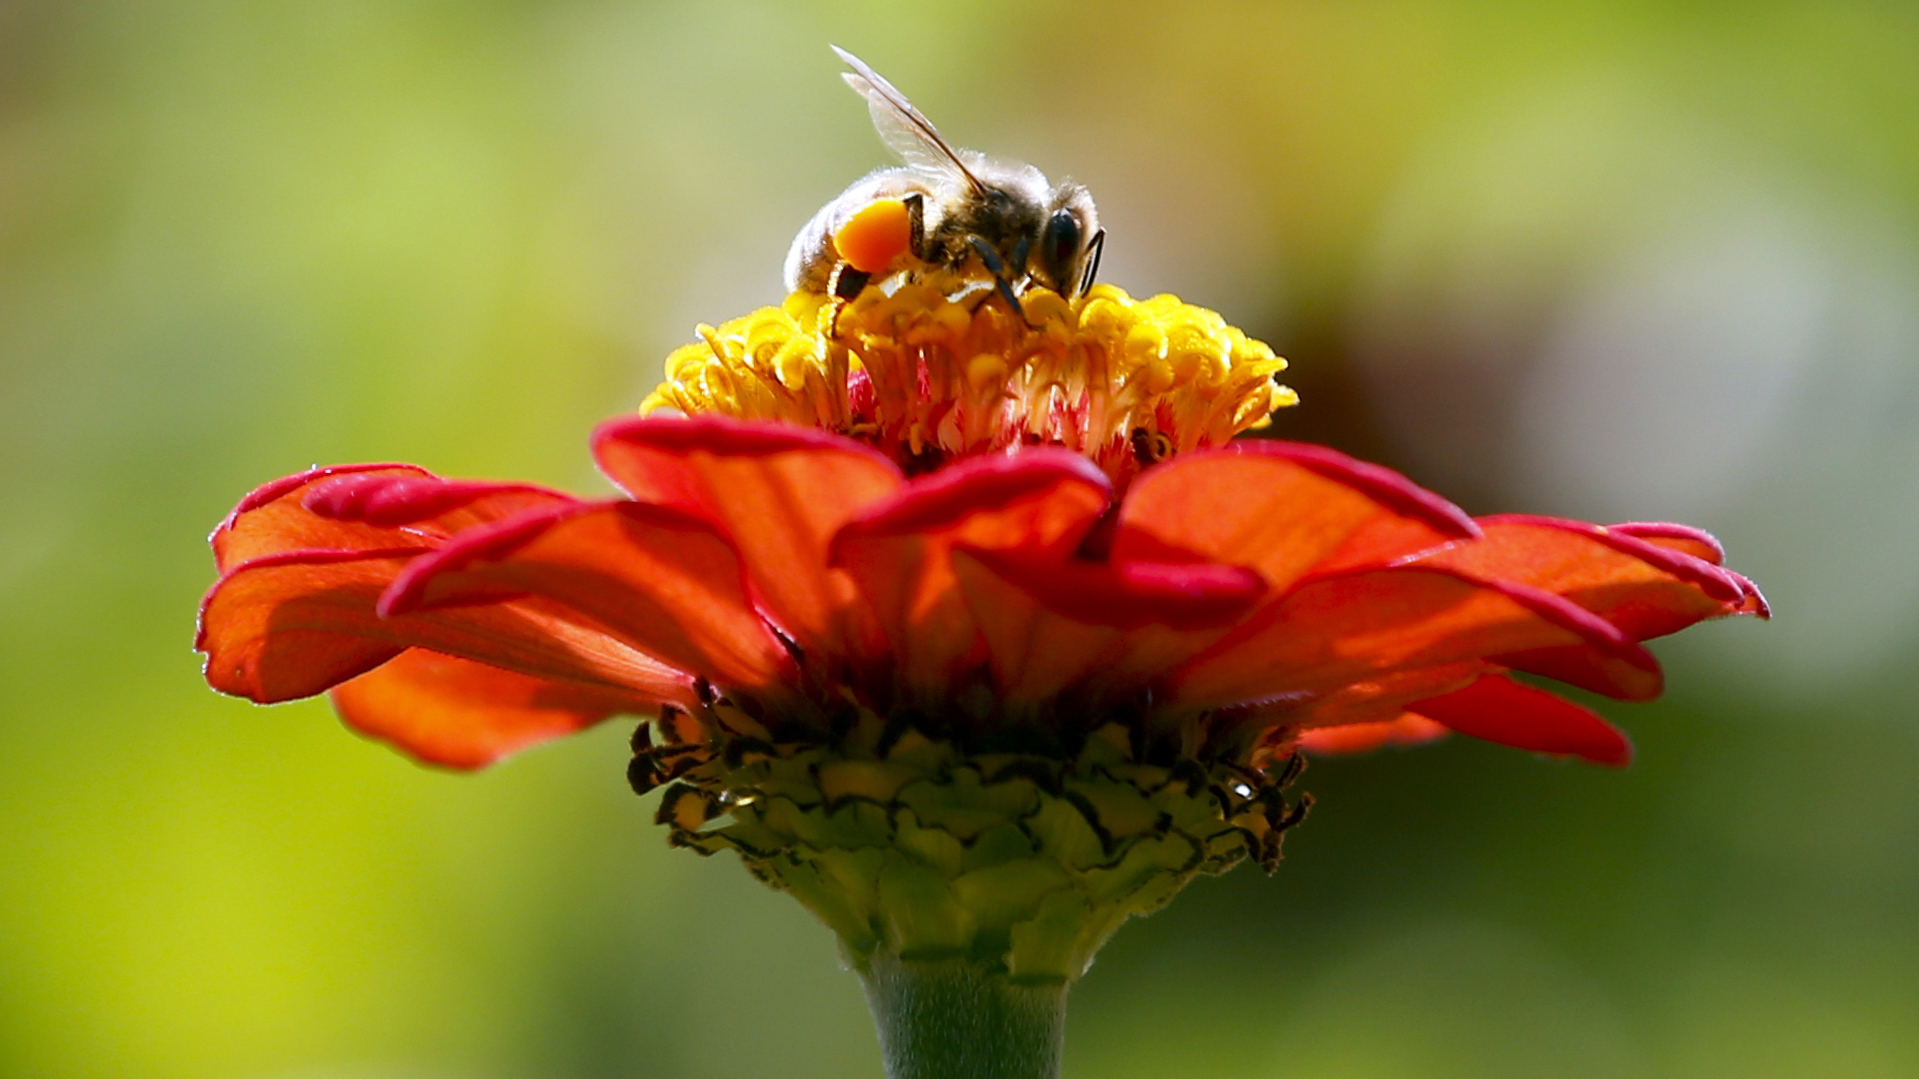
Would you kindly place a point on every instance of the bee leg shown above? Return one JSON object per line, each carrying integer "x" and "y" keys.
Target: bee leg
{"x": 1094, "y": 249}
{"x": 1020, "y": 265}
{"x": 998, "y": 269}
{"x": 916, "y": 226}
{"x": 847, "y": 282}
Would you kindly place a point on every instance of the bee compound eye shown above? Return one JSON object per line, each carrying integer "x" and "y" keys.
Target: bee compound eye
{"x": 872, "y": 238}
{"x": 1058, "y": 244}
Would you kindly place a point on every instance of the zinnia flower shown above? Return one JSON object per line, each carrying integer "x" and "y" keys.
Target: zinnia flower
{"x": 976, "y": 634}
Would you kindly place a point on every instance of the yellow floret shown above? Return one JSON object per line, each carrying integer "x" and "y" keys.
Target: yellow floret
{"x": 934, "y": 370}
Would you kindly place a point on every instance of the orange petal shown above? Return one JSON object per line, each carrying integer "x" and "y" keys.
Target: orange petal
{"x": 280, "y": 628}
{"x": 1621, "y": 677}
{"x": 666, "y": 583}
{"x": 1696, "y": 543}
{"x": 1283, "y": 509}
{"x": 1498, "y": 709}
{"x": 458, "y": 714}
{"x": 1376, "y": 700}
{"x": 1405, "y": 730}
{"x": 296, "y": 624}
{"x": 1685, "y": 539}
{"x": 900, "y": 551}
{"x": 1645, "y": 589}
{"x": 364, "y": 508}
{"x": 777, "y": 491}
{"x": 1051, "y": 623}
{"x": 1358, "y": 625}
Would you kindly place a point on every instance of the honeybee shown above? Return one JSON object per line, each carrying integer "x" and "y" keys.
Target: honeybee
{"x": 947, "y": 209}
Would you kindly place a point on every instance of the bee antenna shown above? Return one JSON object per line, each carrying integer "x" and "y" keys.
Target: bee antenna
{"x": 1094, "y": 251}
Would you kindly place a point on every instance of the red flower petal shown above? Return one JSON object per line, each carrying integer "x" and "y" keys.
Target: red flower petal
{"x": 1129, "y": 595}
{"x": 422, "y": 502}
{"x": 1697, "y": 544}
{"x": 295, "y": 624}
{"x": 364, "y": 508}
{"x": 1284, "y": 509}
{"x": 1050, "y": 623}
{"x": 1498, "y": 709}
{"x": 899, "y": 551}
{"x": 1641, "y": 587}
{"x": 458, "y": 714}
{"x": 1375, "y": 700}
{"x": 1685, "y": 539}
{"x": 1357, "y": 625}
{"x": 284, "y": 626}
{"x": 666, "y": 583}
{"x": 1646, "y": 590}
{"x": 1405, "y": 730}
{"x": 1623, "y": 678}
{"x": 968, "y": 497}
{"x": 777, "y": 491}
{"x": 1752, "y": 602}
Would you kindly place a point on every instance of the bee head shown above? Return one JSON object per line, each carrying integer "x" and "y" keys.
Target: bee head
{"x": 1062, "y": 246}
{"x": 1058, "y": 250}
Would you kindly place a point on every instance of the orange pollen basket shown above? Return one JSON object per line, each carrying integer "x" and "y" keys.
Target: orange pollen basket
{"x": 874, "y": 237}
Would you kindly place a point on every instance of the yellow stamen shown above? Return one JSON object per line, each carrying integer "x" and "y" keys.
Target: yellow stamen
{"x": 934, "y": 371}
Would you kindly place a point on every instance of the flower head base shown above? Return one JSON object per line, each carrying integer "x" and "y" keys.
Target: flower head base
{"x": 931, "y": 372}
{"x": 1023, "y": 860}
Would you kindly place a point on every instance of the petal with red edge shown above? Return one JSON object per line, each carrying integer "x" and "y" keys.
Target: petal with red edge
{"x": 296, "y": 624}
{"x": 1129, "y": 595}
{"x": 1498, "y": 709}
{"x": 899, "y": 552}
{"x": 455, "y": 713}
{"x": 1405, "y": 730}
{"x": 666, "y": 583}
{"x": 364, "y": 508}
{"x": 1283, "y": 509}
{"x": 777, "y": 491}
{"x": 1358, "y": 625}
{"x": 1376, "y": 700}
{"x": 1685, "y": 539}
{"x": 271, "y": 519}
{"x": 280, "y": 628}
{"x": 1696, "y": 543}
{"x": 1050, "y": 623}
{"x": 1647, "y": 591}
{"x": 423, "y": 505}
{"x": 1752, "y": 602}
{"x": 1626, "y": 677}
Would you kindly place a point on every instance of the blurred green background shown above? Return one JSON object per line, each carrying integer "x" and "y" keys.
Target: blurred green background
{"x": 1620, "y": 261}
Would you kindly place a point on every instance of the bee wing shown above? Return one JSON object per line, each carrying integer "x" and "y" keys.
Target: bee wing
{"x": 904, "y": 129}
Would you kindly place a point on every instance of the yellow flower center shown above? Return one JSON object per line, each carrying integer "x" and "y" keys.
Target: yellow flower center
{"x": 934, "y": 371}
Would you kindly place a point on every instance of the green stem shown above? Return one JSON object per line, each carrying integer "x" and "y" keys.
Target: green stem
{"x": 957, "y": 1020}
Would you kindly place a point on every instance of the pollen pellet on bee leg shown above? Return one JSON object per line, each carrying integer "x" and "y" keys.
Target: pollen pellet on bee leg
{"x": 872, "y": 238}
